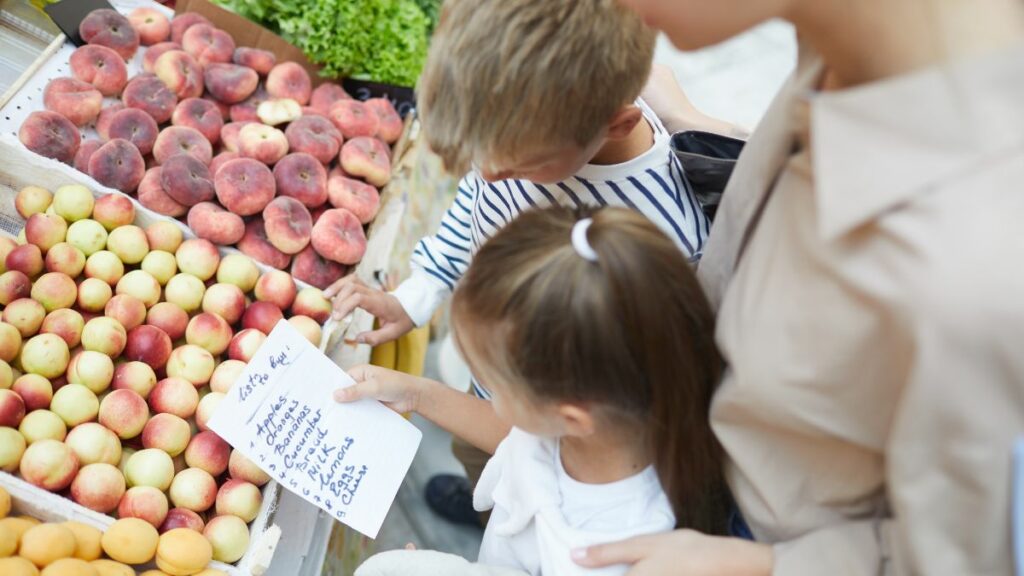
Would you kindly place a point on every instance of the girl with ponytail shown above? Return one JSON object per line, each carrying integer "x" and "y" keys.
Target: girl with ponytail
{"x": 596, "y": 342}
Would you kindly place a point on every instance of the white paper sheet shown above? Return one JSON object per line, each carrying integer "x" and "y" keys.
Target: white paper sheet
{"x": 347, "y": 459}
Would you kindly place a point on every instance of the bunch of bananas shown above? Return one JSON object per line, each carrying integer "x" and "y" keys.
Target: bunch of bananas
{"x": 407, "y": 354}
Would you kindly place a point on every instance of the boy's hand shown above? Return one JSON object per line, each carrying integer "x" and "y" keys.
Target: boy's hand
{"x": 350, "y": 293}
{"x": 400, "y": 392}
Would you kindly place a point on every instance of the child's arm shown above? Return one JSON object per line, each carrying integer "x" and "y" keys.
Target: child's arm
{"x": 666, "y": 97}
{"x": 438, "y": 262}
{"x": 461, "y": 414}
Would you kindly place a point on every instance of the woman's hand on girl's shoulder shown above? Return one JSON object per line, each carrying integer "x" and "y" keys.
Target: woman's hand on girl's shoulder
{"x": 399, "y": 391}
{"x": 681, "y": 553}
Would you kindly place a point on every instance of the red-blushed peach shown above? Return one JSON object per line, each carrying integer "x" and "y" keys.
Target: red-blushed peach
{"x": 208, "y": 45}
{"x": 144, "y": 502}
{"x": 106, "y": 335}
{"x": 338, "y": 236}
{"x": 204, "y": 412}
{"x": 124, "y": 412}
{"x": 45, "y": 230}
{"x": 46, "y": 355}
{"x": 241, "y": 468}
{"x": 276, "y": 287}
{"x": 167, "y": 432}
{"x": 85, "y": 152}
{"x": 6, "y": 375}
{"x": 245, "y": 186}
{"x": 367, "y": 158}
{"x": 165, "y": 236}
{"x": 356, "y": 196}
{"x": 104, "y": 265}
{"x": 312, "y": 302}
{"x": 35, "y": 391}
{"x": 141, "y": 285}
{"x": 152, "y": 195}
{"x": 109, "y": 28}
{"x": 49, "y": 464}
{"x": 135, "y": 126}
{"x": 118, "y": 165}
{"x": 325, "y": 95}
{"x": 208, "y": 220}
{"x": 301, "y": 176}
{"x": 93, "y": 295}
{"x": 186, "y": 291}
{"x": 149, "y": 345}
{"x": 263, "y": 143}
{"x": 101, "y": 67}
{"x": 198, "y": 257}
{"x": 225, "y": 375}
{"x": 257, "y": 246}
{"x": 230, "y": 83}
{"x": 175, "y": 140}
{"x": 10, "y": 342}
{"x": 262, "y": 316}
{"x": 66, "y": 323}
{"x": 170, "y": 318}
{"x": 128, "y": 310}
{"x": 149, "y": 94}
{"x": 182, "y": 74}
{"x": 182, "y": 22}
{"x": 224, "y": 109}
{"x": 229, "y": 537}
{"x": 308, "y": 328}
{"x": 193, "y": 489}
{"x": 288, "y": 225}
{"x": 51, "y": 135}
{"x": 290, "y": 80}
{"x": 106, "y": 116}
{"x": 262, "y": 61}
{"x": 226, "y": 301}
{"x": 55, "y": 290}
{"x": 245, "y": 344}
{"x": 98, "y": 487}
{"x": 26, "y": 315}
{"x": 149, "y": 467}
{"x": 12, "y": 408}
{"x": 245, "y": 111}
{"x": 113, "y": 210}
{"x": 202, "y": 115}
{"x": 174, "y": 395}
{"x": 94, "y": 443}
{"x": 182, "y": 518}
{"x": 210, "y": 332}
{"x": 353, "y": 118}
{"x": 32, "y": 200}
{"x": 154, "y": 52}
{"x": 128, "y": 243}
{"x": 208, "y": 452}
{"x": 192, "y": 364}
{"x": 239, "y": 270}
{"x": 391, "y": 127}
{"x": 150, "y": 24}
{"x": 186, "y": 180}
{"x": 239, "y": 498}
{"x": 230, "y": 136}
{"x": 136, "y": 376}
{"x": 14, "y": 284}
{"x": 316, "y": 136}
{"x": 220, "y": 159}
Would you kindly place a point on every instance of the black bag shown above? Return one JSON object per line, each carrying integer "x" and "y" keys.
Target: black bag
{"x": 708, "y": 160}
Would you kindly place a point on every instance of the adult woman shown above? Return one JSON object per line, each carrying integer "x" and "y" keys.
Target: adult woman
{"x": 868, "y": 294}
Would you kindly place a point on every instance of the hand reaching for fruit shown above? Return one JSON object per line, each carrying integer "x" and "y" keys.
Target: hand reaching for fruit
{"x": 350, "y": 293}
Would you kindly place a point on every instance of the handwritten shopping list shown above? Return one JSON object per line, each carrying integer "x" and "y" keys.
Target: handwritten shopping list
{"x": 347, "y": 459}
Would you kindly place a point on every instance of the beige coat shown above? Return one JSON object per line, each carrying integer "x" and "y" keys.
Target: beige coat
{"x": 874, "y": 327}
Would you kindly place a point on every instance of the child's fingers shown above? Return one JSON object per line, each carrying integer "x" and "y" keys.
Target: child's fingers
{"x": 387, "y": 333}
{"x": 333, "y": 289}
{"x": 623, "y": 552}
{"x": 357, "y": 392}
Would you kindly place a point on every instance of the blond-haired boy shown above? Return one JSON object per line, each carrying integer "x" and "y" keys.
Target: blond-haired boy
{"x": 538, "y": 101}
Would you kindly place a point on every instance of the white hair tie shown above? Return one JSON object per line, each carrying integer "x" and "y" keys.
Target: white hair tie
{"x": 580, "y": 242}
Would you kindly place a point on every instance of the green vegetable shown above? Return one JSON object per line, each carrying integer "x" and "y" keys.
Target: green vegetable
{"x": 381, "y": 40}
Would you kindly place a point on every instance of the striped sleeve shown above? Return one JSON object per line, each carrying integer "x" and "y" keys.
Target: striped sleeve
{"x": 439, "y": 261}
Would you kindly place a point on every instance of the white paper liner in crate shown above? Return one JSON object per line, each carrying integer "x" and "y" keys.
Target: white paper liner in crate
{"x": 20, "y": 168}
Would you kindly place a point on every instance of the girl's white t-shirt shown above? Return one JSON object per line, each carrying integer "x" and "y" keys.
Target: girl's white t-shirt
{"x": 540, "y": 514}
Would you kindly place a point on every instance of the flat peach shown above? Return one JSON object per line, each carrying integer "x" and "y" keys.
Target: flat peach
{"x": 101, "y": 67}
{"x": 150, "y": 24}
{"x": 316, "y": 136}
{"x": 325, "y": 95}
{"x": 149, "y": 94}
{"x": 302, "y": 177}
{"x": 338, "y": 236}
{"x": 230, "y": 83}
{"x": 152, "y": 195}
{"x": 154, "y": 52}
{"x": 290, "y": 80}
{"x": 51, "y": 135}
{"x": 182, "y": 22}
{"x": 208, "y": 45}
{"x": 119, "y": 165}
{"x": 208, "y": 220}
{"x": 288, "y": 224}
{"x": 135, "y": 126}
{"x": 245, "y": 186}
{"x": 109, "y": 28}
{"x": 175, "y": 140}
{"x": 77, "y": 101}
{"x": 187, "y": 180}
{"x": 257, "y": 246}
{"x": 262, "y": 61}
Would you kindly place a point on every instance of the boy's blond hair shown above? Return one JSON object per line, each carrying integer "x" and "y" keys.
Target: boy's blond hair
{"x": 505, "y": 77}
